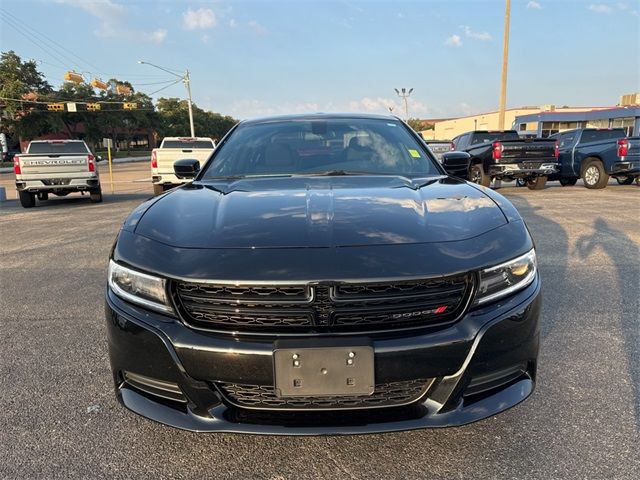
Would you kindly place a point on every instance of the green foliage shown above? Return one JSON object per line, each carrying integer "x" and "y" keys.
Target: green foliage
{"x": 417, "y": 124}
{"x": 174, "y": 115}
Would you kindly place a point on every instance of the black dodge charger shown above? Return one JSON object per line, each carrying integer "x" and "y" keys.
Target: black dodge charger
{"x": 323, "y": 274}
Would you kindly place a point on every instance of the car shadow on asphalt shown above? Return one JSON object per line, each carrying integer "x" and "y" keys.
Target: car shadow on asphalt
{"x": 624, "y": 254}
{"x": 552, "y": 248}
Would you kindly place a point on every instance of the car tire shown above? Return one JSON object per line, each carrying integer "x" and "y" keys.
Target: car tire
{"x": 158, "y": 189}
{"x": 625, "y": 180}
{"x": 568, "y": 182}
{"x": 477, "y": 175}
{"x": 537, "y": 183}
{"x": 95, "y": 195}
{"x": 27, "y": 199}
{"x": 520, "y": 182}
{"x": 594, "y": 175}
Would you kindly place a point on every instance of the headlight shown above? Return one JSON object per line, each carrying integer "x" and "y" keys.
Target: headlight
{"x": 506, "y": 278}
{"x": 140, "y": 288}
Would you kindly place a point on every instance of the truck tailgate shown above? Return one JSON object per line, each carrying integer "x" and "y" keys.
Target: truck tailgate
{"x": 167, "y": 156}
{"x": 52, "y": 165}
{"x": 535, "y": 149}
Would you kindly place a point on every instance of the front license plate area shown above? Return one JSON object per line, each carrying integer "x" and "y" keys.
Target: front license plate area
{"x": 324, "y": 371}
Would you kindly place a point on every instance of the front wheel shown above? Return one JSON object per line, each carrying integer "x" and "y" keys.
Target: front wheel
{"x": 95, "y": 195}
{"x": 568, "y": 182}
{"x": 625, "y": 180}
{"x": 536, "y": 183}
{"x": 477, "y": 175}
{"x": 594, "y": 175}
{"x": 27, "y": 199}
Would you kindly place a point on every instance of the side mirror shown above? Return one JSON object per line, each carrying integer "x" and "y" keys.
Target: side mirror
{"x": 186, "y": 168}
{"x": 457, "y": 164}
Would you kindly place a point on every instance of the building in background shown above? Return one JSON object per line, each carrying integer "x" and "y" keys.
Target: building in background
{"x": 545, "y": 120}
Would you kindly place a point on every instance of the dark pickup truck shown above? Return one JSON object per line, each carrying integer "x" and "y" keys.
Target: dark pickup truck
{"x": 595, "y": 155}
{"x": 503, "y": 155}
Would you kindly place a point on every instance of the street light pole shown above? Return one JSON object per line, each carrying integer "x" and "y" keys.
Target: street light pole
{"x": 405, "y": 94}
{"x": 187, "y": 83}
{"x": 505, "y": 57}
{"x": 186, "y": 79}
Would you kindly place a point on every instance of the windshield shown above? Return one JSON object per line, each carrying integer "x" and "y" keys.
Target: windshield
{"x": 323, "y": 146}
{"x": 488, "y": 137}
{"x": 57, "y": 148}
{"x": 596, "y": 135}
{"x": 187, "y": 144}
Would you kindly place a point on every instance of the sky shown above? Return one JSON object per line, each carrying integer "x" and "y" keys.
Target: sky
{"x": 254, "y": 58}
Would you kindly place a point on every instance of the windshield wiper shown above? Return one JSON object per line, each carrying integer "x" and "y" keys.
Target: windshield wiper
{"x": 334, "y": 173}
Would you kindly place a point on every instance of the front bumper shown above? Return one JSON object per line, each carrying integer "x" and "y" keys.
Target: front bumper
{"x": 465, "y": 359}
{"x": 515, "y": 170}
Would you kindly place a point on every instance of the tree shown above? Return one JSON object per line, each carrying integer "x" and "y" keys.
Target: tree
{"x": 417, "y": 124}
{"x": 174, "y": 120}
{"x": 18, "y": 78}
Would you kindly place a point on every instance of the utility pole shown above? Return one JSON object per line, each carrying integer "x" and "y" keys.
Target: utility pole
{"x": 405, "y": 94}
{"x": 186, "y": 79}
{"x": 505, "y": 59}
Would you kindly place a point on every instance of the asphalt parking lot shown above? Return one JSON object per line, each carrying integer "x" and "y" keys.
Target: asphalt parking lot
{"x": 60, "y": 419}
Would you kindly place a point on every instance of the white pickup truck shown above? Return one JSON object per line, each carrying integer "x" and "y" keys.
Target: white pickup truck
{"x": 172, "y": 149}
{"x": 56, "y": 166}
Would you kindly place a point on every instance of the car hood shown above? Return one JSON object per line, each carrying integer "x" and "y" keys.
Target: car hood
{"x": 299, "y": 212}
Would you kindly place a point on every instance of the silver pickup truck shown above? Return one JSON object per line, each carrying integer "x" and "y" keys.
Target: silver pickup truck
{"x": 58, "y": 167}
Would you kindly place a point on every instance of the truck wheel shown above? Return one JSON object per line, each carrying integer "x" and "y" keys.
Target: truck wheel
{"x": 95, "y": 195}
{"x": 43, "y": 195}
{"x": 536, "y": 183}
{"x": 478, "y": 176}
{"x": 568, "y": 182}
{"x": 593, "y": 174}
{"x": 158, "y": 189}
{"x": 27, "y": 199}
{"x": 625, "y": 180}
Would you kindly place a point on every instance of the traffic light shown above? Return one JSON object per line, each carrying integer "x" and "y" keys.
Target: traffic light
{"x": 55, "y": 107}
{"x": 95, "y": 83}
{"x": 129, "y": 106}
{"x": 123, "y": 89}
{"x": 93, "y": 107}
{"x": 73, "y": 77}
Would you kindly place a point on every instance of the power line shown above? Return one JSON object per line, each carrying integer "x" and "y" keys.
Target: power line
{"x": 164, "y": 88}
{"x": 42, "y": 35}
{"x": 37, "y": 44}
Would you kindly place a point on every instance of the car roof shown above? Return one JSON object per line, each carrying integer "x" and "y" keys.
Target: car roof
{"x": 319, "y": 116}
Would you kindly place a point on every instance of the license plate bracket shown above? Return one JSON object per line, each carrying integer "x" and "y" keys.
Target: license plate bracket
{"x": 324, "y": 371}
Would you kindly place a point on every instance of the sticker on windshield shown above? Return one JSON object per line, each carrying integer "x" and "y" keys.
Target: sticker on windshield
{"x": 414, "y": 153}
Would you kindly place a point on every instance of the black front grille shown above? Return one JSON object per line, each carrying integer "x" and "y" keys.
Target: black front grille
{"x": 323, "y": 308}
{"x": 264, "y": 397}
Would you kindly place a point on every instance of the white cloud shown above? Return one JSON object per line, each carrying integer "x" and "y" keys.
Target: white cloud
{"x": 156, "y": 36}
{"x": 533, "y": 5}
{"x": 248, "y": 108}
{"x": 484, "y": 36}
{"x": 113, "y": 21}
{"x": 233, "y": 23}
{"x": 257, "y": 28}
{"x": 453, "y": 41}
{"x": 599, "y": 8}
{"x": 199, "y": 19}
